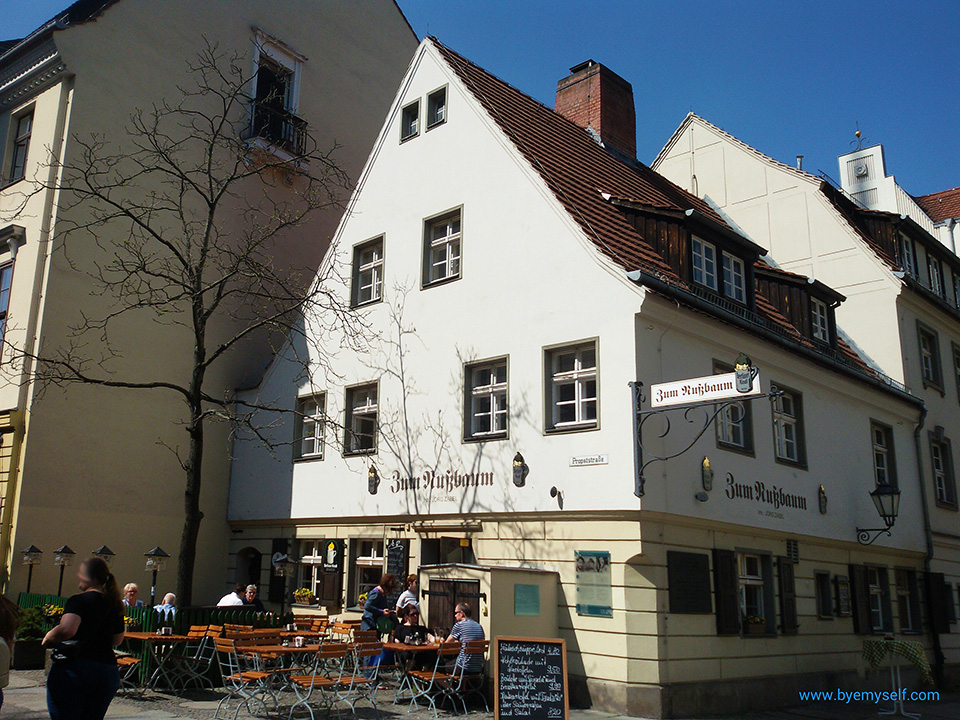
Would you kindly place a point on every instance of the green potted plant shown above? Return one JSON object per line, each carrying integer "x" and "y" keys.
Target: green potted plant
{"x": 28, "y": 653}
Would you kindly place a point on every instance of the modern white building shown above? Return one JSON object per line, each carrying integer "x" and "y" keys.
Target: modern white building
{"x": 88, "y": 466}
{"x": 519, "y": 269}
{"x": 901, "y": 277}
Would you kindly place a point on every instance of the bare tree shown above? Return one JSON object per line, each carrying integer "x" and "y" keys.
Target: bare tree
{"x": 187, "y": 210}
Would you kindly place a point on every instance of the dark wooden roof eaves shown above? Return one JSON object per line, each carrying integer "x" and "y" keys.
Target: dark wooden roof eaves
{"x": 855, "y": 219}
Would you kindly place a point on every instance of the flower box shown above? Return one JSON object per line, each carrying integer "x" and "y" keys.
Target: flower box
{"x": 756, "y": 628}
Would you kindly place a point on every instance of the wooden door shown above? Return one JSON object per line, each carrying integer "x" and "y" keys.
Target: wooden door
{"x": 444, "y": 595}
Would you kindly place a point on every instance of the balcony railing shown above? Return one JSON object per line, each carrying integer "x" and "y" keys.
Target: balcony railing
{"x": 279, "y": 128}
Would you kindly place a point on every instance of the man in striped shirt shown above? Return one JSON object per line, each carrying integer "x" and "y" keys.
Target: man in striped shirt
{"x": 466, "y": 630}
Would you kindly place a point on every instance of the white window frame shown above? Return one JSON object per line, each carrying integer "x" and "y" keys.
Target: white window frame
{"x": 443, "y": 251}
{"x": 788, "y": 428}
{"x": 483, "y": 385}
{"x": 908, "y": 251}
{"x": 734, "y": 278}
{"x": 368, "y": 274}
{"x": 437, "y": 112}
{"x": 311, "y": 417}
{"x": 579, "y": 377}
{"x": 884, "y": 470}
{"x": 751, "y": 583}
{"x": 819, "y": 320}
{"x": 410, "y": 120}
{"x": 311, "y": 565}
{"x": 20, "y": 150}
{"x": 728, "y": 426}
{"x": 935, "y": 273}
{"x": 358, "y": 411}
{"x": 373, "y": 560}
{"x": 704, "y": 263}
{"x": 941, "y": 461}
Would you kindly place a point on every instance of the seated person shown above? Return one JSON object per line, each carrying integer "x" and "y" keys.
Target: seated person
{"x": 412, "y": 632}
{"x": 466, "y": 630}
{"x": 169, "y": 604}
{"x": 250, "y": 598}
{"x": 130, "y": 596}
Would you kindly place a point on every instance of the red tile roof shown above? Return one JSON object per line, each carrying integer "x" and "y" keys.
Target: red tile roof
{"x": 940, "y": 206}
{"x": 583, "y": 175}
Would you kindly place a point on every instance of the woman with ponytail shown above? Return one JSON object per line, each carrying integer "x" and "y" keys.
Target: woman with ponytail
{"x": 83, "y": 682}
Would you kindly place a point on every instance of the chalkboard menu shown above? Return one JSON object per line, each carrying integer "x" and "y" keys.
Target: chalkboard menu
{"x": 530, "y": 679}
{"x": 397, "y": 556}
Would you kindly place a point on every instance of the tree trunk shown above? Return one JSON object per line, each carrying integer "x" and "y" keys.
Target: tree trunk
{"x": 191, "y": 506}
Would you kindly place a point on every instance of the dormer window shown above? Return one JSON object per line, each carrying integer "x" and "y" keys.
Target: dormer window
{"x": 819, "y": 320}
{"x": 935, "y": 273}
{"x": 704, "y": 263}
{"x": 733, "y": 278}
{"x": 908, "y": 256}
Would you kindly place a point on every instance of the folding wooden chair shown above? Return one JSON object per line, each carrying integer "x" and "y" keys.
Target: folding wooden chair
{"x": 361, "y": 684}
{"x": 326, "y": 674}
{"x": 462, "y": 684}
{"x": 129, "y": 667}
{"x": 194, "y": 662}
{"x": 431, "y": 684}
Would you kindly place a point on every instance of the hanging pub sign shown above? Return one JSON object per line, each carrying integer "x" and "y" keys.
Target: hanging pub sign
{"x": 712, "y": 388}
{"x": 333, "y": 557}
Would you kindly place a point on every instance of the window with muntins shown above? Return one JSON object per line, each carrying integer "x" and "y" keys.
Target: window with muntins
{"x": 908, "y": 600}
{"x": 310, "y": 414}
{"x": 410, "y": 121}
{"x": 908, "y": 255}
{"x": 572, "y": 387}
{"x": 935, "y": 272}
{"x": 704, "y": 263}
{"x": 442, "y": 251}
{"x": 6, "y": 278}
{"x": 788, "y": 427}
{"x": 487, "y": 400}
{"x": 819, "y": 320}
{"x": 734, "y": 423}
{"x": 941, "y": 460}
{"x": 21, "y": 146}
{"x": 368, "y": 564}
{"x": 361, "y": 420}
{"x": 876, "y": 579}
{"x": 884, "y": 467}
{"x": 929, "y": 357}
{"x": 734, "y": 278}
{"x": 368, "y": 272}
{"x": 436, "y": 108}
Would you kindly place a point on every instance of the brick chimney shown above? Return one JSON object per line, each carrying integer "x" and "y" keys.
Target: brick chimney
{"x": 596, "y": 97}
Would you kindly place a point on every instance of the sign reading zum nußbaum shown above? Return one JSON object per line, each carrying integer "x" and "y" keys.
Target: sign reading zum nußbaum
{"x": 711, "y": 388}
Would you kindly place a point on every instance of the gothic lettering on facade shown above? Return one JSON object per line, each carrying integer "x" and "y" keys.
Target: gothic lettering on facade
{"x": 760, "y": 492}
{"x": 446, "y": 481}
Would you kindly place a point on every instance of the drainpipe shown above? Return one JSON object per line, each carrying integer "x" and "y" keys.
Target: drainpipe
{"x": 950, "y": 224}
{"x": 938, "y": 658}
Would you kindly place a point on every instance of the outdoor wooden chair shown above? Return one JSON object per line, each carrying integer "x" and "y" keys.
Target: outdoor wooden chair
{"x": 129, "y": 667}
{"x": 247, "y": 687}
{"x": 431, "y": 684}
{"x": 341, "y": 632}
{"x": 361, "y": 684}
{"x": 228, "y": 628}
{"x": 194, "y": 662}
{"x": 322, "y": 680}
{"x": 463, "y": 685}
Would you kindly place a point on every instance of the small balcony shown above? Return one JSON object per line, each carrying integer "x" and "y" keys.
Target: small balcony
{"x": 279, "y": 128}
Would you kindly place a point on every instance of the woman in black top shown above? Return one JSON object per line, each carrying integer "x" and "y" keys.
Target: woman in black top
{"x": 412, "y": 632}
{"x": 81, "y": 688}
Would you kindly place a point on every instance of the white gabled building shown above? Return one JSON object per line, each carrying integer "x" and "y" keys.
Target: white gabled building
{"x": 518, "y": 269}
{"x": 878, "y": 246}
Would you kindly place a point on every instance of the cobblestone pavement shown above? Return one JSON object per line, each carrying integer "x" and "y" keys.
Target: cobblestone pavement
{"x": 25, "y": 699}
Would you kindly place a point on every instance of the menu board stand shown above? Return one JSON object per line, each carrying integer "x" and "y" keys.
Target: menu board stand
{"x": 530, "y": 679}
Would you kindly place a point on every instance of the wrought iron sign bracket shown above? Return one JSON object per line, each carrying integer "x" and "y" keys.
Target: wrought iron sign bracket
{"x": 863, "y": 534}
{"x": 691, "y": 414}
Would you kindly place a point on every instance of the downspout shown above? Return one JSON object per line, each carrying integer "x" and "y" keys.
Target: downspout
{"x": 938, "y": 659}
{"x": 950, "y": 224}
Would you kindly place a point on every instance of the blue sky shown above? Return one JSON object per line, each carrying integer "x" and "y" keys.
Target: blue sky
{"x": 788, "y": 78}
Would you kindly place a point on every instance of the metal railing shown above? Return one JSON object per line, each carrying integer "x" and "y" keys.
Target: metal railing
{"x": 280, "y": 128}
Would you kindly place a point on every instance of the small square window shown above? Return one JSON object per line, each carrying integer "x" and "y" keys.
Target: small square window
{"x": 436, "y": 107}
{"x": 361, "y": 421}
{"x": 410, "y": 121}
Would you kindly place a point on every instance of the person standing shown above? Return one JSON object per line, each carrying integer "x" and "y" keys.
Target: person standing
{"x": 378, "y": 603}
{"x": 408, "y": 596}
{"x": 81, "y": 686}
{"x": 250, "y": 599}
{"x": 464, "y": 631}
{"x": 9, "y": 619}
{"x": 234, "y": 597}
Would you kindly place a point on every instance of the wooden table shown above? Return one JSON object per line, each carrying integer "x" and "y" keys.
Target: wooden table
{"x": 405, "y": 681}
{"x": 155, "y": 644}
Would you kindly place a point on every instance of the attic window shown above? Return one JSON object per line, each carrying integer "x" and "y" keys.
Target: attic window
{"x": 733, "y": 278}
{"x": 819, "y": 320}
{"x": 704, "y": 263}
{"x": 410, "y": 121}
{"x": 908, "y": 256}
{"x": 436, "y": 108}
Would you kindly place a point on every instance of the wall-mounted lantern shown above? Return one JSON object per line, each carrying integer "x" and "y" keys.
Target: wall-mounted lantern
{"x": 520, "y": 470}
{"x": 31, "y": 557}
{"x": 373, "y": 480}
{"x": 62, "y": 558}
{"x": 886, "y": 498}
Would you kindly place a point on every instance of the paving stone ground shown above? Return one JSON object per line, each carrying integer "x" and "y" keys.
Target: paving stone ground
{"x": 25, "y": 699}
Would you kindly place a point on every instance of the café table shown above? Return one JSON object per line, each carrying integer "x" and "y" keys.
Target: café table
{"x": 160, "y": 647}
{"x": 405, "y": 681}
